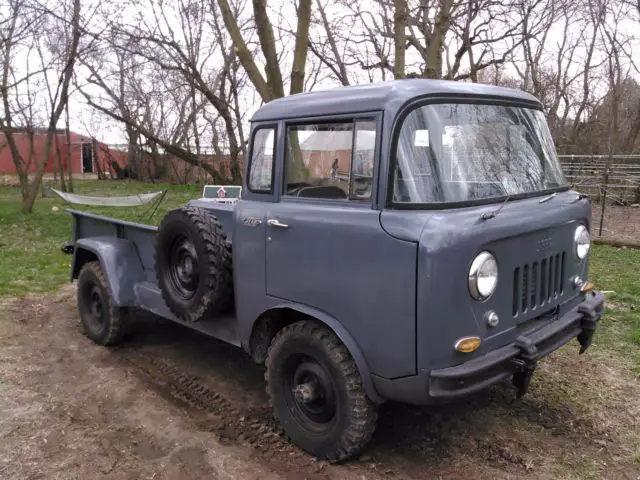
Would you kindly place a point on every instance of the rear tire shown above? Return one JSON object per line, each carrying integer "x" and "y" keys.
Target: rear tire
{"x": 102, "y": 321}
{"x": 193, "y": 264}
{"x": 316, "y": 392}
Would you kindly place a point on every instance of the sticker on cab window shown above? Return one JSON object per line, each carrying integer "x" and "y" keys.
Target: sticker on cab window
{"x": 421, "y": 138}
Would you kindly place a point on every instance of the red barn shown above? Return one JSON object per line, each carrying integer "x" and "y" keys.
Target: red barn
{"x": 85, "y": 154}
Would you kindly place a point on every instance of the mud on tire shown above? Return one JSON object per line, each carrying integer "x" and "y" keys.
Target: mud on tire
{"x": 103, "y": 322}
{"x": 316, "y": 392}
{"x": 193, "y": 264}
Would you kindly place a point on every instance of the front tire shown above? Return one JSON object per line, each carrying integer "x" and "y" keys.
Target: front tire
{"x": 102, "y": 321}
{"x": 316, "y": 392}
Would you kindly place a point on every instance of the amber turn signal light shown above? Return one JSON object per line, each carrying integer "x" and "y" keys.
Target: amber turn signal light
{"x": 467, "y": 344}
{"x": 587, "y": 286}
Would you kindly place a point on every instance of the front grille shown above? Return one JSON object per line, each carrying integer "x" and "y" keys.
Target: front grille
{"x": 539, "y": 283}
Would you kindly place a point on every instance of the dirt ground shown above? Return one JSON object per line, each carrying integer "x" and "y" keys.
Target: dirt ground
{"x": 620, "y": 223}
{"x": 170, "y": 403}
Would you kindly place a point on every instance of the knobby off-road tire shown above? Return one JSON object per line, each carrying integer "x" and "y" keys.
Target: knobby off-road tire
{"x": 316, "y": 392}
{"x": 193, "y": 264}
{"x": 103, "y": 322}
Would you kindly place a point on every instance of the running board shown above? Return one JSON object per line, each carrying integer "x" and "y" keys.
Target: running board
{"x": 223, "y": 327}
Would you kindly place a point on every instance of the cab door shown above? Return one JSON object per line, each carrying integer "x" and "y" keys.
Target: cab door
{"x": 326, "y": 249}
{"x": 249, "y": 232}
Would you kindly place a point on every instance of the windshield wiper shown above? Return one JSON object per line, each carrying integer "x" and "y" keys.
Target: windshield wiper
{"x": 546, "y": 199}
{"x": 494, "y": 213}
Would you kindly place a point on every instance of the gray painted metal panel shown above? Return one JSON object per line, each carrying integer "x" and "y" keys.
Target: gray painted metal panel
{"x": 141, "y": 236}
{"x": 524, "y": 232}
{"x": 223, "y": 327}
{"x": 391, "y": 284}
{"x": 390, "y": 95}
{"x": 337, "y": 259}
{"x": 120, "y": 263}
{"x": 145, "y": 243}
{"x": 249, "y": 274}
{"x": 111, "y": 222}
{"x": 129, "y": 266}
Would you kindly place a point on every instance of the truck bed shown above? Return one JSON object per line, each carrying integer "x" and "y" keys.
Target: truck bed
{"x": 126, "y": 251}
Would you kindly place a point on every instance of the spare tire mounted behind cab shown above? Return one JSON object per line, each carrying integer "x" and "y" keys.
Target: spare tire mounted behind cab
{"x": 193, "y": 264}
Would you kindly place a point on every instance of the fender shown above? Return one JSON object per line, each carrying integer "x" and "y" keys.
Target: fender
{"x": 120, "y": 262}
{"x": 348, "y": 341}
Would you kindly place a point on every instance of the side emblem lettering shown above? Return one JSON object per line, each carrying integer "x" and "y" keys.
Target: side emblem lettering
{"x": 544, "y": 244}
{"x": 250, "y": 221}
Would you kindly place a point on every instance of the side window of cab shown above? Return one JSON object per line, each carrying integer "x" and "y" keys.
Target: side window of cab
{"x": 263, "y": 149}
{"x": 330, "y": 160}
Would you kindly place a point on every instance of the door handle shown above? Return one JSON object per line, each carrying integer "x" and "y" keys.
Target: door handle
{"x": 272, "y": 222}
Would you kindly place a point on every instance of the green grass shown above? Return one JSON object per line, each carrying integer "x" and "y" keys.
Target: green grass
{"x": 30, "y": 256}
{"x": 617, "y": 271}
{"x": 31, "y": 261}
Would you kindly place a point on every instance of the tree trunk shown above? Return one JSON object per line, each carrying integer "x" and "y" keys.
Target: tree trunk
{"x": 296, "y": 169}
{"x": 433, "y": 60}
{"x": 63, "y": 185}
{"x": 57, "y": 110}
{"x": 264, "y": 30}
{"x": 235, "y": 171}
{"x": 244, "y": 54}
{"x": 399, "y": 37}
{"x": 132, "y": 152}
{"x": 301, "y": 47}
{"x": 22, "y": 169}
{"x": 67, "y": 133}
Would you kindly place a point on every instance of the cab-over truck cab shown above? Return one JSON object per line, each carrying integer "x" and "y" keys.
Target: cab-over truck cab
{"x": 411, "y": 240}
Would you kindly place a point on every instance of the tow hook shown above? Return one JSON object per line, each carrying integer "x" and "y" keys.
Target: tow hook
{"x": 522, "y": 376}
{"x": 67, "y": 247}
{"x": 525, "y": 365}
{"x": 588, "y": 324}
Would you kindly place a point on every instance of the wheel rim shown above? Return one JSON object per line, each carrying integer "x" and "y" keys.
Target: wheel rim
{"x": 95, "y": 313}
{"x": 310, "y": 393}
{"x": 183, "y": 267}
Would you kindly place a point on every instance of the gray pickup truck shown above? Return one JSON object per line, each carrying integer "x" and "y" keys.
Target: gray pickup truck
{"x": 409, "y": 241}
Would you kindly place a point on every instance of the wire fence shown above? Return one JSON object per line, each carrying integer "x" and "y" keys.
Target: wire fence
{"x": 613, "y": 183}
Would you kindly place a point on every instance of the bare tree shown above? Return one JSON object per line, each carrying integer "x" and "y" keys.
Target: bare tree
{"x": 329, "y": 41}
{"x": 185, "y": 64}
{"x": 59, "y": 63}
{"x": 15, "y": 35}
{"x": 452, "y": 39}
{"x": 273, "y": 86}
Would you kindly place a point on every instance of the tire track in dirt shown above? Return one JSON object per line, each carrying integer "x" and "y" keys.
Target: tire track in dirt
{"x": 215, "y": 413}
{"x": 203, "y": 378}
{"x": 221, "y": 392}
{"x": 220, "y": 414}
{"x": 217, "y": 386}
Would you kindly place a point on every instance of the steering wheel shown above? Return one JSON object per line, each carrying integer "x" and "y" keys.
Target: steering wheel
{"x": 294, "y": 188}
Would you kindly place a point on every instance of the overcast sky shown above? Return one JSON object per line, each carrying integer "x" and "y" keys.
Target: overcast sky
{"x": 86, "y": 121}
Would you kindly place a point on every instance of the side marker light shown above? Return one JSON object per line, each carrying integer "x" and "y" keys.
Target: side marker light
{"x": 467, "y": 344}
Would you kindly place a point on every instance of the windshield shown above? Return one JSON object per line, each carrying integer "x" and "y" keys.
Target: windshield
{"x": 465, "y": 152}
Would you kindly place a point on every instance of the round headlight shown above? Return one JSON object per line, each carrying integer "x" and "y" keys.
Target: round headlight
{"x": 483, "y": 276}
{"x": 583, "y": 241}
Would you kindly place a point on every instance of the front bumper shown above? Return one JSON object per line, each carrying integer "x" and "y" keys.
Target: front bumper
{"x": 518, "y": 360}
